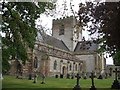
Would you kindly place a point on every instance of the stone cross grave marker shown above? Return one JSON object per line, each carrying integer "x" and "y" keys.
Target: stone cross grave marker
{"x": 77, "y": 86}
{"x": 92, "y": 78}
{"x": 116, "y": 84}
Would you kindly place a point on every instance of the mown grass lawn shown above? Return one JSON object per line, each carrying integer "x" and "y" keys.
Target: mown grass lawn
{"x": 12, "y": 82}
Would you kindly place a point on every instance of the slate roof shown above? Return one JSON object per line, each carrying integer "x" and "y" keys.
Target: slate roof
{"x": 81, "y": 46}
{"x": 89, "y": 46}
{"x": 50, "y": 40}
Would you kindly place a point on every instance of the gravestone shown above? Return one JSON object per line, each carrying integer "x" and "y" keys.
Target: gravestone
{"x": 56, "y": 76}
{"x": 19, "y": 71}
{"x": 95, "y": 74}
{"x": 106, "y": 75}
{"x": 85, "y": 76}
{"x": 119, "y": 74}
{"x": 77, "y": 86}
{"x": 43, "y": 79}
{"x": 100, "y": 77}
{"x": 110, "y": 74}
{"x": 68, "y": 76}
{"x": 61, "y": 75}
{"x": 30, "y": 77}
{"x": 72, "y": 76}
{"x": 92, "y": 78}
{"x": 19, "y": 77}
{"x": 35, "y": 78}
{"x": 82, "y": 74}
{"x": 116, "y": 84}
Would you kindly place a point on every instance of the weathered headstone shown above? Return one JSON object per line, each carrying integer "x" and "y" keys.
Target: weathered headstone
{"x": 56, "y": 76}
{"x": 85, "y": 76}
{"x": 106, "y": 75}
{"x": 68, "y": 76}
{"x": 19, "y": 77}
{"x": 119, "y": 74}
{"x": 116, "y": 84}
{"x": 77, "y": 86}
{"x": 110, "y": 74}
{"x": 92, "y": 78}
{"x": 19, "y": 71}
{"x": 35, "y": 78}
{"x": 43, "y": 79}
{"x": 82, "y": 74}
{"x": 30, "y": 77}
{"x": 72, "y": 76}
{"x": 95, "y": 74}
{"x": 100, "y": 77}
{"x": 61, "y": 75}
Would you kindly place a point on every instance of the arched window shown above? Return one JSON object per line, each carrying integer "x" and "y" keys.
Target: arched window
{"x": 68, "y": 62}
{"x": 81, "y": 66}
{"x": 55, "y": 65}
{"x": 70, "y": 67}
{"x": 61, "y": 30}
{"x": 61, "y": 61}
{"x": 36, "y": 63}
{"x": 76, "y": 67}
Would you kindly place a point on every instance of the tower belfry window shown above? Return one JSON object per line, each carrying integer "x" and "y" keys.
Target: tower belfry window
{"x": 61, "y": 30}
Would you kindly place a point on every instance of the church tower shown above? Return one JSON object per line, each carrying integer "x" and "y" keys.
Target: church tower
{"x": 66, "y": 29}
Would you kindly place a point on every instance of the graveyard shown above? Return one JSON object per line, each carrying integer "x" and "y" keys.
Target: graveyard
{"x": 52, "y": 82}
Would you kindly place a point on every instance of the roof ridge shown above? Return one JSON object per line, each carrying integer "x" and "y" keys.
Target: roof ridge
{"x": 65, "y": 45}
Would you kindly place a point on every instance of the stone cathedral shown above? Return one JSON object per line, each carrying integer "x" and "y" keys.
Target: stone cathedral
{"x": 63, "y": 53}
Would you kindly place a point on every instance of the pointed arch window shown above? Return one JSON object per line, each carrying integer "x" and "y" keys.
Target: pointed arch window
{"x": 55, "y": 65}
{"x": 76, "y": 67}
{"x": 61, "y": 30}
{"x": 61, "y": 61}
{"x": 81, "y": 66}
{"x": 70, "y": 67}
{"x": 36, "y": 63}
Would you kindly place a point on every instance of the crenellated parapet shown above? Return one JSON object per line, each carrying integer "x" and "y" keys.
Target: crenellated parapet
{"x": 64, "y": 20}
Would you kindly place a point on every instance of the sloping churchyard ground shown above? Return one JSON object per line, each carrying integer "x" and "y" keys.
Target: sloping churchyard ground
{"x": 12, "y": 82}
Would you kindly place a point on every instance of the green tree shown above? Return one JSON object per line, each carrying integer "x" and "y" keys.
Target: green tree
{"x": 18, "y": 24}
{"x": 105, "y": 19}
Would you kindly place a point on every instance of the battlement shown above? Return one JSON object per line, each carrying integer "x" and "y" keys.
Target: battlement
{"x": 63, "y": 18}
{"x": 68, "y": 19}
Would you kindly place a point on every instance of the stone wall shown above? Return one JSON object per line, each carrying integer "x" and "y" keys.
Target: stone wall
{"x": 89, "y": 61}
{"x": 70, "y": 35}
{"x": 63, "y": 63}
